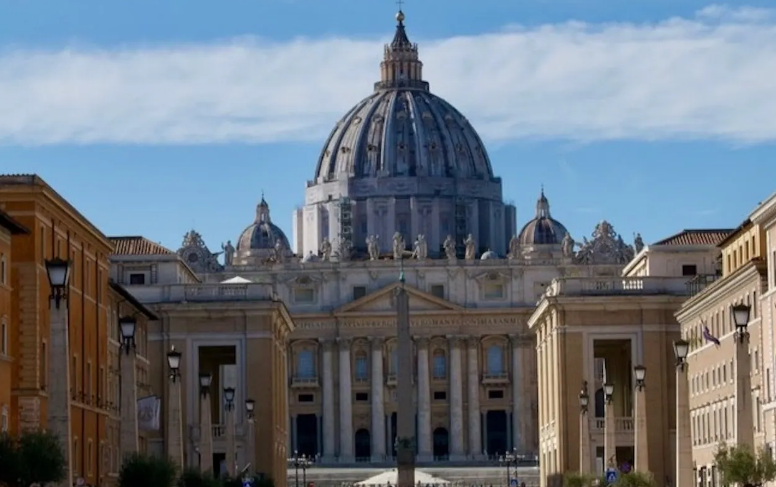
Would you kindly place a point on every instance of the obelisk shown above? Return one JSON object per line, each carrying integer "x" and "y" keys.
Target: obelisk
{"x": 405, "y": 438}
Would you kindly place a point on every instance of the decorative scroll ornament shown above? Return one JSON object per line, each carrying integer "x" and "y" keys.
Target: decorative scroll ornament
{"x": 606, "y": 247}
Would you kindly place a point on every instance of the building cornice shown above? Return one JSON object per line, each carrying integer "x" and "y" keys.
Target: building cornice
{"x": 765, "y": 213}
{"x": 746, "y": 275}
{"x": 22, "y": 187}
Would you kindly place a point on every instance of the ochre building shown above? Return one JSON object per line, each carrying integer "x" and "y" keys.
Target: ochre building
{"x": 8, "y": 406}
{"x": 57, "y": 229}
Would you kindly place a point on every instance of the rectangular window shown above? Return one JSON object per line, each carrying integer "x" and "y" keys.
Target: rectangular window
{"x": 493, "y": 291}
{"x": 440, "y": 395}
{"x": 43, "y": 242}
{"x": 359, "y": 292}
{"x": 496, "y": 394}
{"x": 438, "y": 290}
{"x": 88, "y": 385}
{"x": 304, "y": 295}
{"x": 43, "y": 366}
{"x": 306, "y": 398}
{"x": 3, "y": 337}
{"x": 689, "y": 270}
{"x": 136, "y": 279}
{"x": 362, "y": 396}
{"x": 2, "y": 270}
{"x": 362, "y": 367}
{"x": 89, "y": 458}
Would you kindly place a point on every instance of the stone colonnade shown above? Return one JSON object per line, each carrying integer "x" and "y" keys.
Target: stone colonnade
{"x": 465, "y": 424}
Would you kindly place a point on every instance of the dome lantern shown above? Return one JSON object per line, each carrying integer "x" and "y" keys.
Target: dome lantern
{"x": 401, "y": 66}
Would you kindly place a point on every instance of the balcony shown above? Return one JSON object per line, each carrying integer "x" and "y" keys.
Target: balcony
{"x": 203, "y": 292}
{"x": 621, "y": 425}
{"x": 697, "y": 284}
{"x": 218, "y": 431}
{"x": 304, "y": 383}
{"x": 497, "y": 378}
{"x": 609, "y": 286}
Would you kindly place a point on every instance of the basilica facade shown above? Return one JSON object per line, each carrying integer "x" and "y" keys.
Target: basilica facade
{"x": 403, "y": 184}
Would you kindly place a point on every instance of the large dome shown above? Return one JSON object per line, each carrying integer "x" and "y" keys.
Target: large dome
{"x": 403, "y": 132}
{"x": 402, "y": 129}
{"x": 543, "y": 229}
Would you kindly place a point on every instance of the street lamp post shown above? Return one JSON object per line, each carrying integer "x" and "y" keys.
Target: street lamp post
{"x": 128, "y": 429}
{"x": 610, "y": 446}
{"x": 684, "y": 475}
{"x": 301, "y": 463}
{"x": 744, "y": 413}
{"x": 230, "y": 446}
{"x": 584, "y": 431}
{"x": 58, "y": 273}
{"x": 205, "y": 425}
{"x": 174, "y": 441}
{"x": 510, "y": 460}
{"x": 250, "y": 407}
{"x": 642, "y": 435}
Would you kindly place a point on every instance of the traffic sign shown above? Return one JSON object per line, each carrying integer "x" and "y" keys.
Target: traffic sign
{"x": 247, "y": 482}
{"x": 611, "y": 476}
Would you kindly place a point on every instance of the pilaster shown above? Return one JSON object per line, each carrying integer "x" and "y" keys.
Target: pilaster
{"x": 59, "y": 388}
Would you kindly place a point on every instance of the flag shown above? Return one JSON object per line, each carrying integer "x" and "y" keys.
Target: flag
{"x": 148, "y": 410}
{"x": 709, "y": 337}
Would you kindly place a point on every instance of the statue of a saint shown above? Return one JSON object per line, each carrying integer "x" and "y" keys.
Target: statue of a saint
{"x": 346, "y": 250}
{"x": 421, "y": 248}
{"x": 279, "y": 254}
{"x": 373, "y": 247}
{"x": 638, "y": 243}
{"x": 567, "y": 245}
{"x": 228, "y": 249}
{"x": 398, "y": 246}
{"x": 471, "y": 247}
{"x": 514, "y": 248}
{"x": 449, "y": 246}
{"x": 325, "y": 249}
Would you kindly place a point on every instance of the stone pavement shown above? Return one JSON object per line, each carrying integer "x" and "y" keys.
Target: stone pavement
{"x": 473, "y": 475}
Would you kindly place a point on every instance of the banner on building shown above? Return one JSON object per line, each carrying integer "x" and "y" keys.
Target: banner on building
{"x": 148, "y": 411}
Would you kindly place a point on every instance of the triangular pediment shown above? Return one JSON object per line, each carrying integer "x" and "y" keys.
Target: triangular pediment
{"x": 384, "y": 300}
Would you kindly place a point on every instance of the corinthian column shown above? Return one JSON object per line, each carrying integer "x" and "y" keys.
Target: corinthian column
{"x": 425, "y": 451}
{"x": 456, "y": 400}
{"x": 378, "y": 404}
{"x": 473, "y": 385}
{"x": 519, "y": 395}
{"x": 328, "y": 402}
{"x": 345, "y": 403}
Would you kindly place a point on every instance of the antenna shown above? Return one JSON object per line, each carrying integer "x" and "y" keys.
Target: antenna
{"x": 400, "y": 3}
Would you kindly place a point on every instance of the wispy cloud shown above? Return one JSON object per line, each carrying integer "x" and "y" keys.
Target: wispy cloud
{"x": 705, "y": 77}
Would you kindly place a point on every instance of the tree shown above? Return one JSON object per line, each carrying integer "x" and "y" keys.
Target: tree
{"x": 636, "y": 478}
{"x": 738, "y": 464}
{"x": 34, "y": 457}
{"x": 147, "y": 471}
{"x": 194, "y": 478}
{"x": 576, "y": 479}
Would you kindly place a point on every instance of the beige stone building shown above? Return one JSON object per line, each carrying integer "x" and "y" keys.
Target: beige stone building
{"x": 594, "y": 331}
{"x": 403, "y": 184}
{"x": 730, "y": 382}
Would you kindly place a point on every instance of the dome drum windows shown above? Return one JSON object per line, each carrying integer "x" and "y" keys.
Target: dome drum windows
{"x": 305, "y": 365}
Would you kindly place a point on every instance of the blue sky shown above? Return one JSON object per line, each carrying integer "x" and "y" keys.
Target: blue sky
{"x": 156, "y": 117}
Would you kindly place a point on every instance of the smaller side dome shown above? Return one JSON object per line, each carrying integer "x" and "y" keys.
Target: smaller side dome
{"x": 543, "y": 229}
{"x": 262, "y": 234}
{"x": 489, "y": 255}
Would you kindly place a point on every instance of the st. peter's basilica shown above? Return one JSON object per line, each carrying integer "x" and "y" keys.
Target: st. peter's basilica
{"x": 403, "y": 180}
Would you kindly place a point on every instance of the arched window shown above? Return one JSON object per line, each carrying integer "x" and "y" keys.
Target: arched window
{"x": 362, "y": 367}
{"x": 495, "y": 359}
{"x": 440, "y": 364}
{"x": 305, "y": 367}
{"x": 393, "y": 367}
